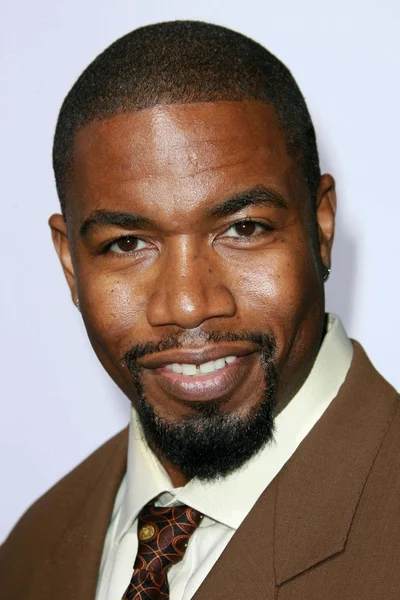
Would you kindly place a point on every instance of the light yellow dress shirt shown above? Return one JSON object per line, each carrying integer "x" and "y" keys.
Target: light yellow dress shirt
{"x": 225, "y": 502}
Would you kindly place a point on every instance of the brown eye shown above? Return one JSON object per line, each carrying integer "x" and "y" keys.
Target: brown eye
{"x": 245, "y": 228}
{"x": 127, "y": 244}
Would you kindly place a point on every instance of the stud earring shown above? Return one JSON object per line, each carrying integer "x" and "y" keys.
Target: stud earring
{"x": 325, "y": 273}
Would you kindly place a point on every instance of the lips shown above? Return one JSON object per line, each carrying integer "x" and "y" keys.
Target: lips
{"x": 203, "y": 369}
{"x": 197, "y": 355}
{"x": 201, "y": 374}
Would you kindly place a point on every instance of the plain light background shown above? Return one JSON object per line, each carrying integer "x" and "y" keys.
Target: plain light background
{"x": 57, "y": 404}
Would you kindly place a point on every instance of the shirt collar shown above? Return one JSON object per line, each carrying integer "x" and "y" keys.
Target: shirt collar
{"x": 230, "y": 499}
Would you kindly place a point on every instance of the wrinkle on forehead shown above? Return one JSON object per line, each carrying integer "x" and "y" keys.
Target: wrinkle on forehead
{"x": 187, "y": 134}
{"x": 195, "y": 151}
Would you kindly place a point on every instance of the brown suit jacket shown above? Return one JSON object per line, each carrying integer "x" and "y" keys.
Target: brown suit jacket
{"x": 326, "y": 528}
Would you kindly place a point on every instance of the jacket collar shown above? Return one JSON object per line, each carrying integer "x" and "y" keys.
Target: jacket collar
{"x": 70, "y": 571}
{"x": 319, "y": 489}
{"x": 303, "y": 518}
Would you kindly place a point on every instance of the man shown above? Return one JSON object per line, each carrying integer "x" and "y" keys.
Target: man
{"x": 262, "y": 458}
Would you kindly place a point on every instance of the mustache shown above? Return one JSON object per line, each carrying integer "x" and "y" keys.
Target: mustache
{"x": 266, "y": 343}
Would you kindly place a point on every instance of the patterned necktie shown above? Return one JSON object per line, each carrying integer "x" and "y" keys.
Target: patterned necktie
{"x": 163, "y": 538}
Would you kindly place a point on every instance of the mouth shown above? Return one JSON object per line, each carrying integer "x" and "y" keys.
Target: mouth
{"x": 202, "y": 375}
{"x": 202, "y": 370}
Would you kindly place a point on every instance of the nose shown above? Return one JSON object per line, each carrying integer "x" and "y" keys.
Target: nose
{"x": 190, "y": 288}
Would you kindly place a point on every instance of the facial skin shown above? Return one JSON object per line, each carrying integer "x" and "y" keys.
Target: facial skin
{"x": 182, "y": 179}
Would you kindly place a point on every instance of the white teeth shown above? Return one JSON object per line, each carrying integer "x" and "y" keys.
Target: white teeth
{"x": 219, "y": 363}
{"x": 230, "y": 359}
{"x": 204, "y": 369}
{"x": 207, "y": 367}
{"x": 189, "y": 369}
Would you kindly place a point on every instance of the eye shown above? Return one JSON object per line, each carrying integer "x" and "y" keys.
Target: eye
{"x": 127, "y": 244}
{"x": 245, "y": 229}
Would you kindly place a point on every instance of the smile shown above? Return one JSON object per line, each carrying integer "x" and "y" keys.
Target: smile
{"x": 202, "y": 374}
{"x": 206, "y": 368}
{"x": 207, "y": 381}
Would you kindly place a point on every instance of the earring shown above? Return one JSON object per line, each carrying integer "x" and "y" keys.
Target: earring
{"x": 78, "y": 306}
{"x": 325, "y": 273}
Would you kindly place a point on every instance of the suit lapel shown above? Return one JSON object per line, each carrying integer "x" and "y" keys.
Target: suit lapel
{"x": 71, "y": 571}
{"x": 245, "y": 568}
{"x": 320, "y": 486}
{"x": 305, "y": 514}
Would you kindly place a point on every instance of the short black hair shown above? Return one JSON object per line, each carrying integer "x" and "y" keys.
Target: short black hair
{"x": 181, "y": 62}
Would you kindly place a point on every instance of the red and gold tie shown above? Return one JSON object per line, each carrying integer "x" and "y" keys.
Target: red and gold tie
{"x": 163, "y": 538}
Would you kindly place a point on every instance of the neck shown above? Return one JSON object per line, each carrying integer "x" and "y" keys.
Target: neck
{"x": 176, "y": 476}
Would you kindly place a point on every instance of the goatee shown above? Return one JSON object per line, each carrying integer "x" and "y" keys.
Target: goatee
{"x": 209, "y": 443}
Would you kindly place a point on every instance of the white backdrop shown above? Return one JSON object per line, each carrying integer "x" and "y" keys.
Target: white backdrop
{"x": 57, "y": 405}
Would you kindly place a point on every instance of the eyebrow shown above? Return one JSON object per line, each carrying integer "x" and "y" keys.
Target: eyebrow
{"x": 256, "y": 195}
{"x": 116, "y": 219}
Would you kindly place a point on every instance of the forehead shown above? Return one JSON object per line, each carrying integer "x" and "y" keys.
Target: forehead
{"x": 183, "y": 154}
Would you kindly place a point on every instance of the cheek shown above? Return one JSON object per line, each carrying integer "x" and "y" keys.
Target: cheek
{"x": 277, "y": 292}
{"x": 114, "y": 310}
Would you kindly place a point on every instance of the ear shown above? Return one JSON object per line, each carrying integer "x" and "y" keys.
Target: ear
{"x": 61, "y": 244}
{"x": 325, "y": 215}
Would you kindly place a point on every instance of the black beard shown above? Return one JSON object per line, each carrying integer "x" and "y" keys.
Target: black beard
{"x": 209, "y": 444}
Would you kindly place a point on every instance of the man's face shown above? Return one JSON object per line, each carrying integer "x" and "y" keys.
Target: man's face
{"x": 190, "y": 234}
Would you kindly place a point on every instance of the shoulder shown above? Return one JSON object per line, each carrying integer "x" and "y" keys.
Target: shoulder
{"x": 363, "y": 377}
{"x": 48, "y": 518}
